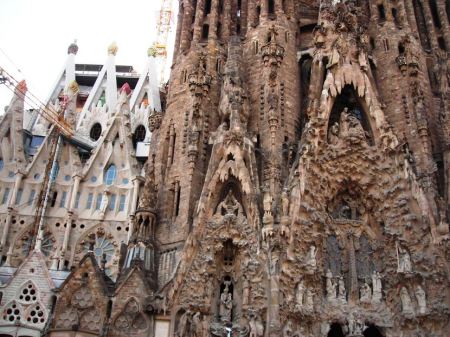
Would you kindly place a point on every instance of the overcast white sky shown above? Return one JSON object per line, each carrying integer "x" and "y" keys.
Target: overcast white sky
{"x": 35, "y": 35}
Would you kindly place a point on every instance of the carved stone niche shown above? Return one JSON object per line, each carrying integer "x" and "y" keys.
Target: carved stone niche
{"x": 348, "y": 123}
{"x": 347, "y": 207}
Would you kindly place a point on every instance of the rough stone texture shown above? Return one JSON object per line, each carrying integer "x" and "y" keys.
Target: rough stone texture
{"x": 299, "y": 181}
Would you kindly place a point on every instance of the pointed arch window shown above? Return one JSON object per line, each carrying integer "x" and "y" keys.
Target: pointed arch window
{"x": 110, "y": 174}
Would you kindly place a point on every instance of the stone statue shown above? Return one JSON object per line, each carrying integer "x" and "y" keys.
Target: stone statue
{"x": 299, "y": 292}
{"x": 311, "y": 258}
{"x": 226, "y": 304}
{"x": 342, "y": 295}
{"x": 267, "y": 201}
{"x": 376, "y": 287}
{"x": 407, "y": 307}
{"x": 365, "y": 293}
{"x": 355, "y": 326}
{"x": 229, "y": 205}
{"x": 404, "y": 261}
{"x": 309, "y": 301}
{"x": 285, "y": 202}
{"x": 287, "y": 330}
{"x": 197, "y": 325}
{"x": 245, "y": 291}
{"x": 421, "y": 300}
{"x": 333, "y": 134}
{"x": 104, "y": 203}
{"x": 256, "y": 327}
{"x": 331, "y": 287}
{"x": 183, "y": 324}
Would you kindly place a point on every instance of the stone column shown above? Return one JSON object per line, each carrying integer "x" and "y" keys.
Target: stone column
{"x": 72, "y": 201}
{"x": 132, "y": 211}
{"x": 171, "y": 146}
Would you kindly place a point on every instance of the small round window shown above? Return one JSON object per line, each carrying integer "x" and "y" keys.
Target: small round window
{"x": 96, "y": 131}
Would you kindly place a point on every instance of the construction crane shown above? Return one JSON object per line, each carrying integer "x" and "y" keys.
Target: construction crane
{"x": 159, "y": 47}
{"x": 60, "y": 127}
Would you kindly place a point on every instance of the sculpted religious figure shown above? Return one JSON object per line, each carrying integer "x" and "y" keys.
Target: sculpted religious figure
{"x": 311, "y": 258}
{"x": 256, "y": 327}
{"x": 267, "y": 201}
{"x": 376, "y": 287}
{"x": 421, "y": 300}
{"x": 365, "y": 293}
{"x": 183, "y": 324}
{"x": 342, "y": 295}
{"x": 333, "y": 134}
{"x": 331, "y": 287}
{"x": 309, "y": 301}
{"x": 407, "y": 307}
{"x": 285, "y": 202}
{"x": 245, "y": 291}
{"x": 299, "y": 292}
{"x": 404, "y": 261}
{"x": 287, "y": 330}
{"x": 229, "y": 205}
{"x": 197, "y": 325}
{"x": 226, "y": 304}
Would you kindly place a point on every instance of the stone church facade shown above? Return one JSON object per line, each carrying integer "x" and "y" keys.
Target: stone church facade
{"x": 297, "y": 183}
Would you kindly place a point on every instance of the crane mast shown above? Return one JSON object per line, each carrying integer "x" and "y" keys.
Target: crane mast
{"x": 159, "y": 47}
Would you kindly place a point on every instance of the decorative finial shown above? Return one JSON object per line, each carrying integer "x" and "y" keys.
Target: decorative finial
{"x": 112, "y": 49}
{"x": 73, "y": 87}
{"x": 152, "y": 51}
{"x": 73, "y": 48}
{"x": 125, "y": 88}
{"x": 22, "y": 87}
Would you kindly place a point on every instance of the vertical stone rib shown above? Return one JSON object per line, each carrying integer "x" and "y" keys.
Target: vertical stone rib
{"x": 429, "y": 23}
{"x": 186, "y": 29}
{"x": 444, "y": 23}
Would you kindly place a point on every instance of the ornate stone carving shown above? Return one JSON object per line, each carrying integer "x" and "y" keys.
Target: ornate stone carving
{"x": 407, "y": 308}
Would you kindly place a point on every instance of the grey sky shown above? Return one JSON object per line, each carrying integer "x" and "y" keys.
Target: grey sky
{"x": 35, "y": 35}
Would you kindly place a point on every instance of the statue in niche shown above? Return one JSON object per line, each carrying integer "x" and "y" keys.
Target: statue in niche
{"x": 183, "y": 324}
{"x": 232, "y": 106}
{"x": 331, "y": 287}
{"x": 299, "y": 292}
{"x": 355, "y": 325}
{"x": 311, "y": 262}
{"x": 309, "y": 301}
{"x": 226, "y": 304}
{"x": 267, "y": 201}
{"x": 229, "y": 205}
{"x": 274, "y": 260}
{"x": 407, "y": 307}
{"x": 245, "y": 291}
{"x": 256, "y": 326}
{"x": 376, "y": 286}
{"x": 421, "y": 300}
{"x": 288, "y": 328}
{"x": 285, "y": 202}
{"x": 350, "y": 126}
{"x": 342, "y": 295}
{"x": 333, "y": 134}
{"x": 197, "y": 325}
{"x": 404, "y": 261}
{"x": 365, "y": 293}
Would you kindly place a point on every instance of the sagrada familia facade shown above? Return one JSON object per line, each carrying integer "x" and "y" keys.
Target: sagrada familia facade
{"x": 297, "y": 182}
